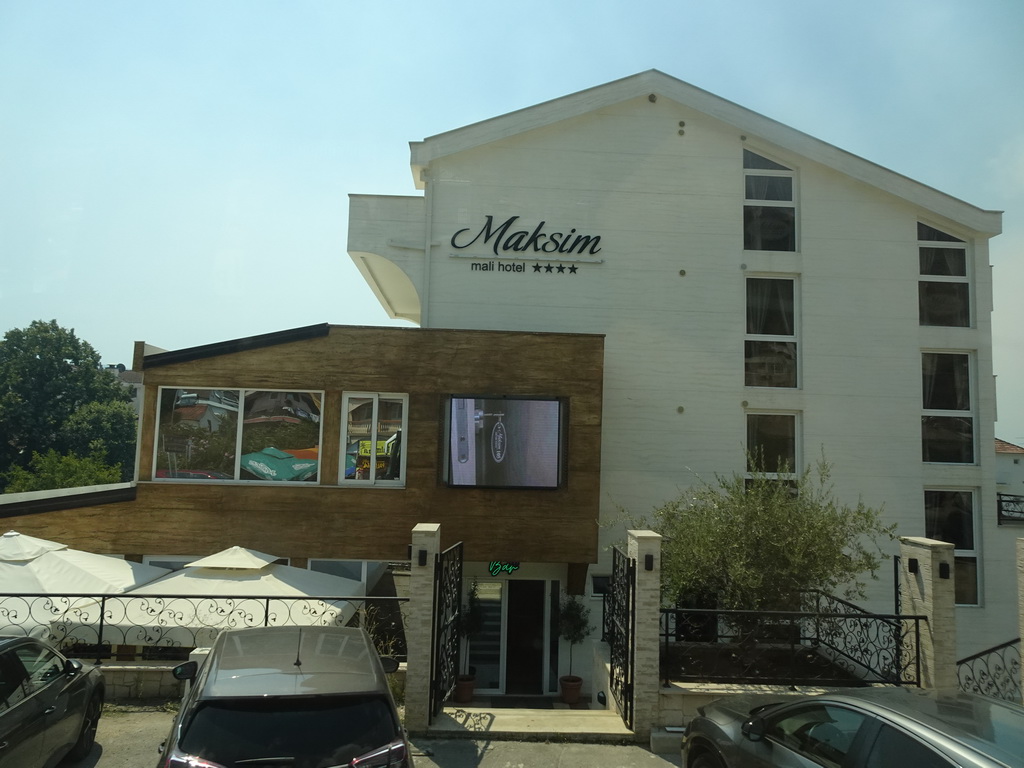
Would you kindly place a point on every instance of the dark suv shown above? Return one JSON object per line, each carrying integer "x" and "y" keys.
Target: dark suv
{"x": 301, "y": 697}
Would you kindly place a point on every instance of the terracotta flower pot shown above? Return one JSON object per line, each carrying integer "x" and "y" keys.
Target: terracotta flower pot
{"x": 464, "y": 685}
{"x": 570, "y": 685}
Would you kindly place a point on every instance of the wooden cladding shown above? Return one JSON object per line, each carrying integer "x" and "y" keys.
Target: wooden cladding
{"x": 332, "y": 521}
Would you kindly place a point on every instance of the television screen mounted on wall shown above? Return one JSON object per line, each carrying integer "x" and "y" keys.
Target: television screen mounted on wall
{"x": 505, "y": 442}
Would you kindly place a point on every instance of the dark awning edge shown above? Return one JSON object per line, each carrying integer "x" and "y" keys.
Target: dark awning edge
{"x": 235, "y": 345}
{"x": 65, "y": 500}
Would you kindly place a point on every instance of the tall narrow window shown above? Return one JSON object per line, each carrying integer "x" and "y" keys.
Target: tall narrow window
{"x": 947, "y": 425}
{"x": 769, "y": 350}
{"x": 944, "y": 289}
{"x": 372, "y": 437}
{"x": 772, "y": 443}
{"x": 769, "y": 210}
{"x": 949, "y": 516}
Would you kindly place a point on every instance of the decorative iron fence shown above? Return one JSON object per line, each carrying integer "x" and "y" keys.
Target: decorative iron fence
{"x": 834, "y": 642}
{"x": 619, "y": 630}
{"x": 167, "y": 626}
{"x": 444, "y": 662}
{"x": 995, "y": 672}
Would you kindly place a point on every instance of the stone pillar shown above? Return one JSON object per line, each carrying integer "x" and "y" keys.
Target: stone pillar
{"x": 927, "y": 592}
{"x": 419, "y": 626}
{"x": 645, "y": 547}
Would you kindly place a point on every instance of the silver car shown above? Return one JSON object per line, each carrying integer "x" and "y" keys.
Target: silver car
{"x": 856, "y": 728}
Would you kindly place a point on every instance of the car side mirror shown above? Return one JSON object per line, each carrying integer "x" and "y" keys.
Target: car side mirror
{"x": 753, "y": 729}
{"x": 186, "y": 671}
{"x": 390, "y": 665}
{"x": 72, "y": 666}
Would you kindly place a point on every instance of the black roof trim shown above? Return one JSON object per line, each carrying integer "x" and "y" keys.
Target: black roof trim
{"x": 235, "y": 345}
{"x": 67, "y": 501}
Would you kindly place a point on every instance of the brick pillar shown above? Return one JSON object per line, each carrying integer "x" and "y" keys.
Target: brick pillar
{"x": 418, "y": 627}
{"x": 646, "y": 670}
{"x": 930, "y": 594}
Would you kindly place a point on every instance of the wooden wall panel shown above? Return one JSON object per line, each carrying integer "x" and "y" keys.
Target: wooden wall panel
{"x": 330, "y": 521}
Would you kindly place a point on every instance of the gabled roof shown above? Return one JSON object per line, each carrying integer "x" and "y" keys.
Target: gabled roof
{"x": 653, "y": 82}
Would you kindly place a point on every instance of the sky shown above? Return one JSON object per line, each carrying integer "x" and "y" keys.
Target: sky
{"x": 178, "y": 172}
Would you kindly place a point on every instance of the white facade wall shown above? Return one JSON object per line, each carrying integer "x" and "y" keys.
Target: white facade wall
{"x": 675, "y": 400}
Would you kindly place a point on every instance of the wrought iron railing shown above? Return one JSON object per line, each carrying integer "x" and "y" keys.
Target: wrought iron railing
{"x": 1011, "y": 508}
{"x": 995, "y": 672}
{"x": 619, "y": 631}
{"x": 834, "y": 643}
{"x": 92, "y": 626}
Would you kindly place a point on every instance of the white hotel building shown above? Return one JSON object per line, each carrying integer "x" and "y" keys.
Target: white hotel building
{"x": 757, "y": 288}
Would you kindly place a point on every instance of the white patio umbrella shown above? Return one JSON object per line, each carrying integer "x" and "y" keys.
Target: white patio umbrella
{"x": 30, "y": 566}
{"x": 190, "y": 606}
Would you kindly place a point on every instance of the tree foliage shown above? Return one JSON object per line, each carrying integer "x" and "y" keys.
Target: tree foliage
{"x": 47, "y": 374}
{"x": 756, "y": 542}
{"x": 50, "y": 470}
{"x": 102, "y": 428}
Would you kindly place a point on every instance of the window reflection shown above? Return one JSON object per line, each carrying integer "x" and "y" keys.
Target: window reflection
{"x": 197, "y": 433}
{"x": 373, "y": 438}
{"x": 280, "y": 436}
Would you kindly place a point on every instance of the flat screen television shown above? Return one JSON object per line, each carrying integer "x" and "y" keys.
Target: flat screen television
{"x": 505, "y": 442}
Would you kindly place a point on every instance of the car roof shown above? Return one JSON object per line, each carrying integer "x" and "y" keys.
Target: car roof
{"x": 292, "y": 661}
{"x": 991, "y": 726}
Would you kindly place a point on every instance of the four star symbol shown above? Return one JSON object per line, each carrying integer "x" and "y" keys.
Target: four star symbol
{"x": 549, "y": 268}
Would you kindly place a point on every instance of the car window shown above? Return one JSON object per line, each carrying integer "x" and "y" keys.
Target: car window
{"x": 12, "y": 678}
{"x": 895, "y": 749}
{"x": 326, "y": 730}
{"x": 820, "y": 732}
{"x": 42, "y": 665}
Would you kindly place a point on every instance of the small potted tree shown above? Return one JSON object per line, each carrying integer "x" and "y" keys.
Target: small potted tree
{"x": 573, "y": 627}
{"x": 470, "y": 623}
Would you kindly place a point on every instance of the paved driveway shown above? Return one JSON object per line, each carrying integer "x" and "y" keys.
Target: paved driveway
{"x": 128, "y": 738}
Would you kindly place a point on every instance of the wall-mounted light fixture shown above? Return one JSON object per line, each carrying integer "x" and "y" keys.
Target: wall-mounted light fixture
{"x": 943, "y": 570}
{"x": 912, "y": 565}
{"x": 422, "y": 558}
{"x": 648, "y": 562}
{"x": 602, "y": 699}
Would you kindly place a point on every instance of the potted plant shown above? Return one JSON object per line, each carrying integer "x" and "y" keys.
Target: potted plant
{"x": 470, "y": 623}
{"x": 573, "y": 627}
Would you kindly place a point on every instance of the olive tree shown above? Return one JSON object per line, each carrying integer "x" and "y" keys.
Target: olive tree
{"x": 756, "y": 541}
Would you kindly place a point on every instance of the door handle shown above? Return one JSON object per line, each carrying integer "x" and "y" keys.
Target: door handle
{"x": 49, "y": 710}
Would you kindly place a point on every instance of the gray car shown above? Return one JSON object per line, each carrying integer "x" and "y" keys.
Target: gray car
{"x": 294, "y": 697}
{"x": 856, "y": 728}
{"x": 49, "y": 705}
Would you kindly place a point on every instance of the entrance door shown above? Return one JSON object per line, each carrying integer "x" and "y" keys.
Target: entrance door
{"x": 524, "y": 638}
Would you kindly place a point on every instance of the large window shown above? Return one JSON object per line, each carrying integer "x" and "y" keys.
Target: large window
{"x": 947, "y": 424}
{"x": 769, "y": 209}
{"x": 372, "y": 438}
{"x": 769, "y": 350}
{"x": 238, "y": 434}
{"x": 949, "y": 516}
{"x": 944, "y": 290}
{"x": 772, "y": 443}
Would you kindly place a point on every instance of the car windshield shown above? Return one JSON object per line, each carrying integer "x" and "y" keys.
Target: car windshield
{"x": 314, "y": 732}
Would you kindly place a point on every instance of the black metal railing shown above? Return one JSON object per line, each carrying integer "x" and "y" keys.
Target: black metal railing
{"x": 1010, "y": 507}
{"x": 91, "y": 626}
{"x": 619, "y": 631}
{"x": 832, "y": 643}
{"x": 445, "y": 640}
{"x": 995, "y": 672}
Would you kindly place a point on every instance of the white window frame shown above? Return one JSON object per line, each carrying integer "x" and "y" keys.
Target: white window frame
{"x": 373, "y": 481}
{"x": 969, "y": 413}
{"x": 966, "y": 279}
{"x": 974, "y": 553}
{"x": 794, "y": 338}
{"x": 749, "y": 202}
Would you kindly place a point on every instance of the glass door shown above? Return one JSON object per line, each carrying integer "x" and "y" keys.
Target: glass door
{"x": 487, "y": 646}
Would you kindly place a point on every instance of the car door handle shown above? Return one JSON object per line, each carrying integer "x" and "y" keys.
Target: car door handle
{"x": 3, "y": 745}
{"x": 49, "y": 710}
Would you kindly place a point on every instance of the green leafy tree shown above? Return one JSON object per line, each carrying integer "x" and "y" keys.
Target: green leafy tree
{"x": 757, "y": 542}
{"x": 46, "y": 374}
{"x": 108, "y": 428}
{"x": 50, "y": 470}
